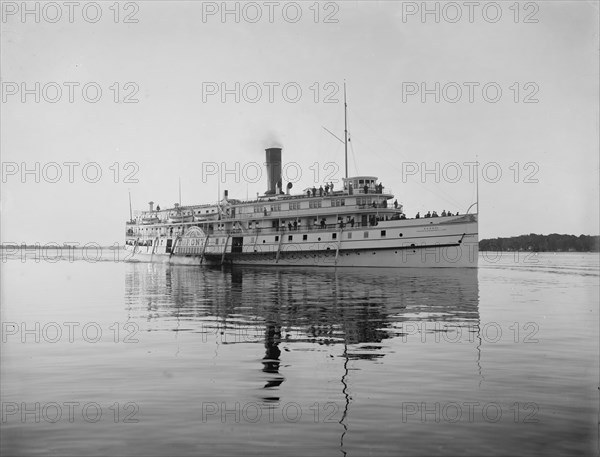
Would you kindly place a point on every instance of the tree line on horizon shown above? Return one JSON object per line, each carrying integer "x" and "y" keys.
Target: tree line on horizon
{"x": 542, "y": 243}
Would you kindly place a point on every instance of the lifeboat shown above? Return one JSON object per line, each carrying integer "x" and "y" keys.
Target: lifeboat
{"x": 150, "y": 220}
{"x": 178, "y": 218}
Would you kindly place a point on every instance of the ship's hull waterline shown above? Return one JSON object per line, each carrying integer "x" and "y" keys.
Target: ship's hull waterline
{"x": 413, "y": 243}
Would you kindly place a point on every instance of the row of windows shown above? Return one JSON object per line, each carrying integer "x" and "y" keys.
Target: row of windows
{"x": 294, "y": 206}
{"x": 198, "y": 242}
{"x": 383, "y": 234}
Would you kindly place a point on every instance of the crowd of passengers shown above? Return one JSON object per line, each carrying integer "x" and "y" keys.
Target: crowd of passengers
{"x": 328, "y": 188}
{"x": 435, "y": 214}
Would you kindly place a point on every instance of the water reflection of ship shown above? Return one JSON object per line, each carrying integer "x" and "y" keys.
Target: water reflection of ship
{"x": 360, "y": 307}
{"x": 357, "y": 309}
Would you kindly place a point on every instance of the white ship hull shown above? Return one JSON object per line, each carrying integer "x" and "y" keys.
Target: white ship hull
{"x": 414, "y": 243}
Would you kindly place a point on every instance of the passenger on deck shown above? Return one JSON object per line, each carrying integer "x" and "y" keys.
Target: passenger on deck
{"x": 352, "y": 222}
{"x": 418, "y": 216}
{"x": 157, "y": 207}
{"x": 322, "y": 223}
{"x": 396, "y": 204}
{"x": 326, "y": 189}
{"x": 374, "y": 204}
{"x": 290, "y": 226}
{"x": 444, "y": 213}
{"x": 308, "y": 192}
{"x": 295, "y": 225}
{"x": 428, "y": 214}
{"x": 434, "y": 214}
{"x": 366, "y": 189}
{"x": 320, "y": 191}
{"x": 314, "y": 191}
{"x": 331, "y": 186}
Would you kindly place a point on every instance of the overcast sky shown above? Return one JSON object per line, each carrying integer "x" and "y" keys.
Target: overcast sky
{"x": 540, "y": 132}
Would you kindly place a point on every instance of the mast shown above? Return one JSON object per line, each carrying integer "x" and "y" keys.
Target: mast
{"x": 130, "y": 212}
{"x": 345, "y": 130}
{"x": 477, "y": 185}
{"x": 179, "y": 191}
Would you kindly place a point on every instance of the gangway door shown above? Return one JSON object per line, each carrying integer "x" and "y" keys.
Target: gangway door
{"x": 237, "y": 244}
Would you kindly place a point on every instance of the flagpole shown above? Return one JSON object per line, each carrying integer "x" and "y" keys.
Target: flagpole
{"x": 345, "y": 130}
{"x": 130, "y": 212}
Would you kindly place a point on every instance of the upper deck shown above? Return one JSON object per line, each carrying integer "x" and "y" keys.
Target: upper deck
{"x": 358, "y": 193}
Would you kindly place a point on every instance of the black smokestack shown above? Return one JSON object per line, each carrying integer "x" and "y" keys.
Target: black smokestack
{"x": 273, "y": 170}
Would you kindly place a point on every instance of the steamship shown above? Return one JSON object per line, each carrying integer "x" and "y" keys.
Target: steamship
{"x": 353, "y": 225}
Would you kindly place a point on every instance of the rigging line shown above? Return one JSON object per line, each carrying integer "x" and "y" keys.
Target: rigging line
{"x": 352, "y": 147}
{"x": 438, "y": 194}
{"x": 353, "y": 157}
{"x": 450, "y": 200}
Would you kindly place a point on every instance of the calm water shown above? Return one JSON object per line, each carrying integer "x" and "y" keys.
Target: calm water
{"x": 154, "y": 360}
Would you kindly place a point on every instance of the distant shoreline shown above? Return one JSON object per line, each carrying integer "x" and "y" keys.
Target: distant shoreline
{"x": 542, "y": 243}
